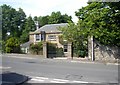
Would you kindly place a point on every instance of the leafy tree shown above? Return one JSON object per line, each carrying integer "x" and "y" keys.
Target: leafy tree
{"x": 21, "y": 21}
{"x": 72, "y": 33}
{"x": 57, "y": 17}
{"x": 29, "y": 26}
{"x": 12, "y": 21}
{"x": 12, "y": 45}
{"x": 7, "y": 16}
{"x": 101, "y": 21}
{"x": 54, "y": 18}
{"x": 43, "y": 20}
{"x": 35, "y": 18}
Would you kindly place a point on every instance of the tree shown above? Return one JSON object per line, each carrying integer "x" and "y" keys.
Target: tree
{"x": 54, "y": 18}
{"x": 43, "y": 20}
{"x": 12, "y": 21}
{"x": 101, "y": 20}
{"x": 29, "y": 26}
{"x": 21, "y": 21}
{"x": 73, "y": 34}
{"x": 57, "y": 17}
{"x": 12, "y": 45}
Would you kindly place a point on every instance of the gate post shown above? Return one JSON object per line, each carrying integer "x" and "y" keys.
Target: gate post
{"x": 91, "y": 48}
{"x": 69, "y": 55}
{"x": 45, "y": 50}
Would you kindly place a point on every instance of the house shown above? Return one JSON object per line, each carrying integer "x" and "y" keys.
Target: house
{"x": 49, "y": 33}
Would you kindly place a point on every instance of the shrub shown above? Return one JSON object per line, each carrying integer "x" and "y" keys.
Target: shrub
{"x": 12, "y": 45}
{"x": 36, "y": 48}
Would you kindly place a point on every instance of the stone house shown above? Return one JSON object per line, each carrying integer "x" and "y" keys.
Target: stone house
{"x": 49, "y": 33}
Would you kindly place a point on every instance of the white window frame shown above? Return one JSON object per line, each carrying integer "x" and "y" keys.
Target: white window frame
{"x": 39, "y": 38}
{"x": 52, "y": 37}
{"x": 65, "y": 48}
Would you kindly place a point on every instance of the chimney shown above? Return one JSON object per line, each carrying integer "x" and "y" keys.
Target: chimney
{"x": 37, "y": 25}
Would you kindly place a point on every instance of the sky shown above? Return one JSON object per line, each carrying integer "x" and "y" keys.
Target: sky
{"x": 46, "y": 7}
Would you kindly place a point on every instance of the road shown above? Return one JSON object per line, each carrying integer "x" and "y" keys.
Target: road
{"x": 41, "y": 70}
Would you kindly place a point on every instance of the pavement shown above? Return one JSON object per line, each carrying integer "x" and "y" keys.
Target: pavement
{"x": 74, "y": 59}
{"x": 86, "y": 60}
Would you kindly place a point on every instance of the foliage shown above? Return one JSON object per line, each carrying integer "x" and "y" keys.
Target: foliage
{"x": 12, "y": 21}
{"x": 72, "y": 33}
{"x": 101, "y": 20}
{"x": 57, "y": 17}
{"x": 43, "y": 20}
{"x": 54, "y": 18}
{"x": 62, "y": 40}
{"x": 29, "y": 26}
{"x": 12, "y": 45}
{"x": 36, "y": 48}
{"x": 59, "y": 52}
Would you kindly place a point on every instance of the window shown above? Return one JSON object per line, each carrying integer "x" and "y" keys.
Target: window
{"x": 52, "y": 37}
{"x": 37, "y": 37}
{"x": 65, "y": 48}
{"x": 42, "y": 37}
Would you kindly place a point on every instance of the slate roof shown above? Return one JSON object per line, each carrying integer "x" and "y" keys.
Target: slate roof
{"x": 27, "y": 44}
{"x": 51, "y": 28}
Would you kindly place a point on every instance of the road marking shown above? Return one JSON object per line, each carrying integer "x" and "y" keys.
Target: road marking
{"x": 39, "y": 80}
{"x": 60, "y": 58}
{"x": 80, "y": 82}
{"x": 61, "y": 80}
{"x": 21, "y": 57}
{"x": 52, "y": 80}
{"x": 57, "y": 81}
{"x": 1, "y": 67}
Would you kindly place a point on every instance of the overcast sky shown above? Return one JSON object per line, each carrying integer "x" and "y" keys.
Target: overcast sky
{"x": 46, "y": 7}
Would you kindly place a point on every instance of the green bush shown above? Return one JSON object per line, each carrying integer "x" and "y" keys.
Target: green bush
{"x": 12, "y": 45}
{"x": 59, "y": 52}
{"x": 36, "y": 48}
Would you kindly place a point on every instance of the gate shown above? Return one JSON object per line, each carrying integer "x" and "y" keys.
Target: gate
{"x": 53, "y": 51}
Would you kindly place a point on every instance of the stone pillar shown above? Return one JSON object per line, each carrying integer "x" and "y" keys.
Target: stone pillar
{"x": 70, "y": 54}
{"x": 91, "y": 48}
{"x": 45, "y": 50}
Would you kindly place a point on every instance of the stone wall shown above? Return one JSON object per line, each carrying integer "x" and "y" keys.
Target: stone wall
{"x": 102, "y": 52}
{"x": 97, "y": 51}
{"x": 31, "y": 38}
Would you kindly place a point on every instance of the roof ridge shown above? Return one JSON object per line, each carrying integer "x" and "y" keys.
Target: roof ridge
{"x": 51, "y": 25}
{"x": 55, "y": 24}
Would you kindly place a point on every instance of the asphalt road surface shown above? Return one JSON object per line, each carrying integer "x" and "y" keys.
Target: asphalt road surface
{"x": 41, "y": 70}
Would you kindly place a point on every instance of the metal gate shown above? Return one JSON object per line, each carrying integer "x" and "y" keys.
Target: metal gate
{"x": 53, "y": 51}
